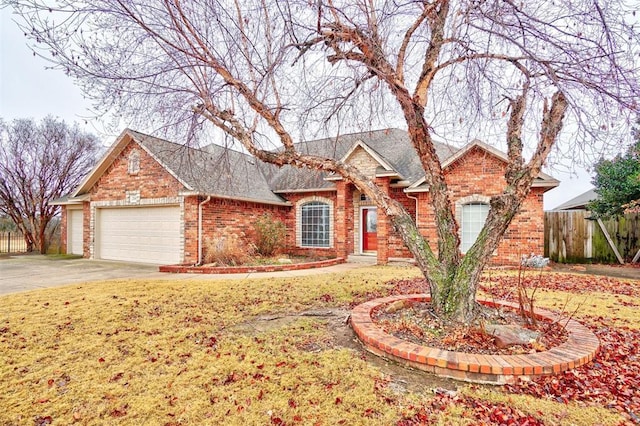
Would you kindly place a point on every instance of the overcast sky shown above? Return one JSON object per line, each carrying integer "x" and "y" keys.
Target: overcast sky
{"x": 29, "y": 89}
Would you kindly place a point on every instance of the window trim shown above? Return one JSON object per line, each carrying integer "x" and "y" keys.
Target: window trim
{"x": 133, "y": 162}
{"x": 299, "y": 208}
{"x": 459, "y": 205}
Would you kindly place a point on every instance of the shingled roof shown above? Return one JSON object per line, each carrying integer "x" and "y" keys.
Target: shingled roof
{"x": 580, "y": 202}
{"x": 393, "y": 145}
{"x": 212, "y": 170}
{"x": 222, "y": 172}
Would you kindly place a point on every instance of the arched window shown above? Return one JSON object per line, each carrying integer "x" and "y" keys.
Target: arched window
{"x": 315, "y": 224}
{"x": 473, "y": 217}
{"x": 134, "y": 162}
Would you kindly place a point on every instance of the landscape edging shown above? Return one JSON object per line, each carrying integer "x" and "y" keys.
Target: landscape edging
{"x": 191, "y": 269}
{"x": 580, "y": 348}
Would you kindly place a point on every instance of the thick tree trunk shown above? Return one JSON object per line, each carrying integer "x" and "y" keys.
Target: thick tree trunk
{"x": 42, "y": 240}
{"x": 453, "y": 289}
{"x": 29, "y": 241}
{"x": 453, "y": 285}
{"x": 453, "y": 279}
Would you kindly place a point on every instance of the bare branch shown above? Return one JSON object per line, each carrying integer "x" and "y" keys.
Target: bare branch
{"x": 269, "y": 72}
{"x": 402, "y": 52}
{"x": 437, "y": 20}
{"x": 39, "y": 163}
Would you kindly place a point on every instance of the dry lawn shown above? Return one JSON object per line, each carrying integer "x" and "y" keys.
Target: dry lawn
{"x": 174, "y": 352}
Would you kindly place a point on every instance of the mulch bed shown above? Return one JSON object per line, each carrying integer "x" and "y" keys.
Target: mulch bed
{"x": 416, "y": 323}
{"x": 270, "y": 261}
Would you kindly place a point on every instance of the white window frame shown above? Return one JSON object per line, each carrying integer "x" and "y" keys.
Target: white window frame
{"x": 299, "y": 225}
{"x": 462, "y": 205}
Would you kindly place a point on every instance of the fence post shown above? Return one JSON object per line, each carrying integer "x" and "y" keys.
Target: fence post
{"x": 9, "y": 242}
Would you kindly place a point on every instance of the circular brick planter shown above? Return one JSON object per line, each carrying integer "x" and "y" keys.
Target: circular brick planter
{"x": 580, "y": 348}
{"x": 190, "y": 269}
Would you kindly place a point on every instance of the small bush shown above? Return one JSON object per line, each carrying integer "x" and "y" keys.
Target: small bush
{"x": 270, "y": 234}
{"x": 526, "y": 300}
{"x": 228, "y": 249}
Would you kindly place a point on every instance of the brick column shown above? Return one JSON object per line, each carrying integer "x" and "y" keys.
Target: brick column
{"x": 343, "y": 199}
{"x": 88, "y": 231}
{"x": 383, "y": 226}
{"x": 190, "y": 230}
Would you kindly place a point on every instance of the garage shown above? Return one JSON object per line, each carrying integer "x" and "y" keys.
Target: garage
{"x": 139, "y": 234}
{"x": 74, "y": 231}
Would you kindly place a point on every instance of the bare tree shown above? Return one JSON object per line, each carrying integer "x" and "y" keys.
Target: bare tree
{"x": 266, "y": 71}
{"x": 38, "y": 163}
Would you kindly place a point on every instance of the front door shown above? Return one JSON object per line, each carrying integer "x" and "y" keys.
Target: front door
{"x": 369, "y": 229}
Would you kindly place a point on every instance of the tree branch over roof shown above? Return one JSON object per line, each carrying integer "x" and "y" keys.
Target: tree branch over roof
{"x": 268, "y": 73}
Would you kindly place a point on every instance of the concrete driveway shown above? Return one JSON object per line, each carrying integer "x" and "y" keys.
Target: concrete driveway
{"x": 30, "y": 272}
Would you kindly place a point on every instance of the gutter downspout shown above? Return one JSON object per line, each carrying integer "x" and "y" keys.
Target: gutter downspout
{"x": 414, "y": 198}
{"x": 200, "y": 228}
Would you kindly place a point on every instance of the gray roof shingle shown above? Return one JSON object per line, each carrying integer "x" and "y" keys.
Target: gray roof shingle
{"x": 580, "y": 202}
{"x": 393, "y": 145}
{"x": 219, "y": 171}
{"x": 213, "y": 170}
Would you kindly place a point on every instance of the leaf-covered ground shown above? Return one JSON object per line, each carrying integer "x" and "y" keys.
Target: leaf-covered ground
{"x": 184, "y": 352}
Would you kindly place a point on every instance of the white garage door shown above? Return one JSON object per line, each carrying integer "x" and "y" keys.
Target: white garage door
{"x": 139, "y": 234}
{"x": 74, "y": 231}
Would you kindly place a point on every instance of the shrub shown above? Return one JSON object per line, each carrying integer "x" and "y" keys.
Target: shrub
{"x": 228, "y": 249}
{"x": 270, "y": 234}
{"x": 526, "y": 300}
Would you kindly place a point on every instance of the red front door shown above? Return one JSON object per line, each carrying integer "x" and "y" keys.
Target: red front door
{"x": 369, "y": 229}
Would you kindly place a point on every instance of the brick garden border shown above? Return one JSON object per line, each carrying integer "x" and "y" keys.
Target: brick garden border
{"x": 580, "y": 348}
{"x": 191, "y": 269}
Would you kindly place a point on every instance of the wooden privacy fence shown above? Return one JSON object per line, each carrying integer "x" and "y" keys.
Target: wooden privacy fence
{"x": 575, "y": 237}
{"x": 12, "y": 242}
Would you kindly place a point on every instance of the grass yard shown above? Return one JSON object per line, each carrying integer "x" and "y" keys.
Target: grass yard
{"x": 186, "y": 352}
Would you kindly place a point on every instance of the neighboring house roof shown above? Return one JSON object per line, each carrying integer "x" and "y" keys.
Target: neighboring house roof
{"x": 580, "y": 202}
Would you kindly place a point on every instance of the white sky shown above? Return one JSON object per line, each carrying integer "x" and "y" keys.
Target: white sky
{"x": 29, "y": 90}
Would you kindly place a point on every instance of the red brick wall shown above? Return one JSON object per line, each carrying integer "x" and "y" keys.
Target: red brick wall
{"x": 191, "y": 229}
{"x": 290, "y": 222}
{"x": 396, "y": 245}
{"x": 480, "y": 173}
{"x": 476, "y": 173}
{"x": 343, "y": 219}
{"x": 222, "y": 215}
{"x": 152, "y": 180}
{"x": 63, "y": 229}
{"x": 526, "y": 232}
{"x": 85, "y": 226}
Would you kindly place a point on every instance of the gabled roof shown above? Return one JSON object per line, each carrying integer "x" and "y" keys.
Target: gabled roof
{"x": 542, "y": 180}
{"x": 221, "y": 172}
{"x": 214, "y": 170}
{"x": 382, "y": 163}
{"x": 392, "y": 148}
{"x": 580, "y": 202}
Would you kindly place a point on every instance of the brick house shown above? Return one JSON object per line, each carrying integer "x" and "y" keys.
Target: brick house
{"x": 153, "y": 201}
